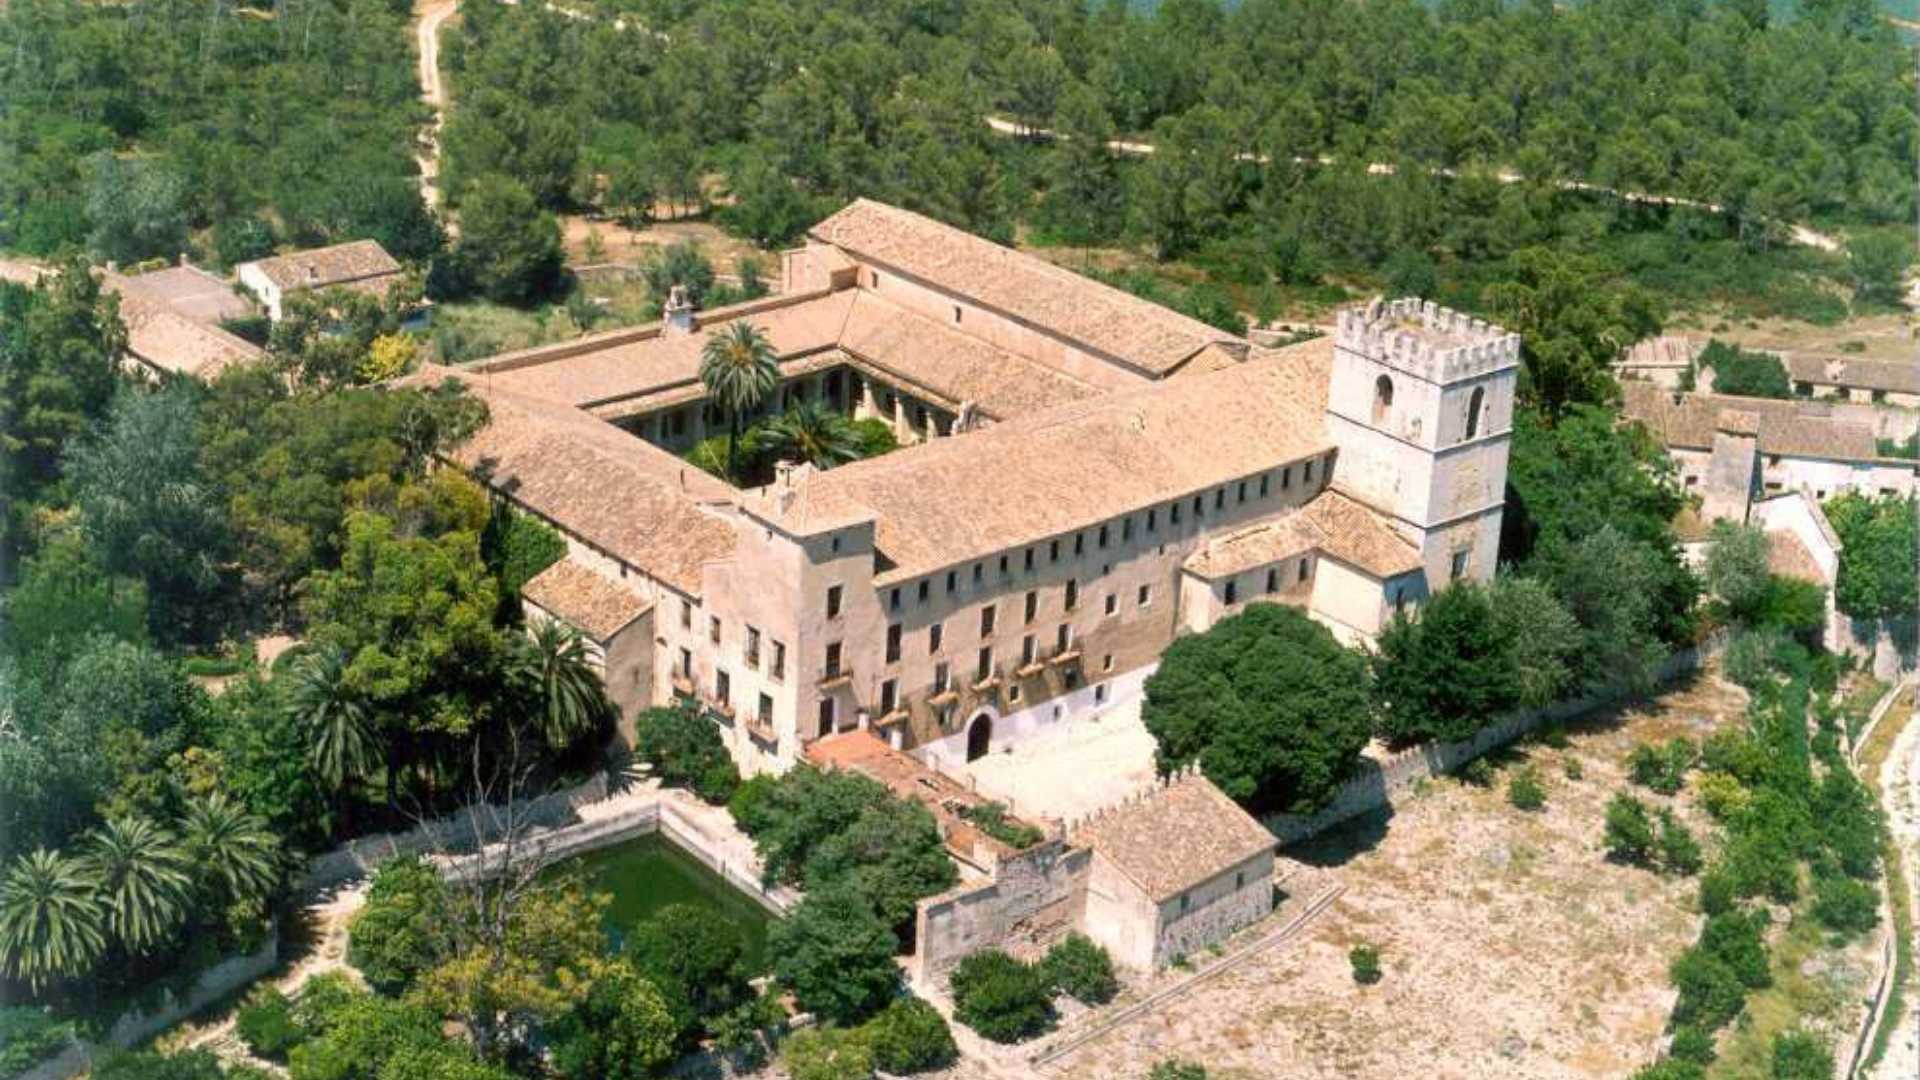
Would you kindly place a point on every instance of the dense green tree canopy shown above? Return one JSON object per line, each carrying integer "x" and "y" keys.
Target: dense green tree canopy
{"x": 1877, "y": 555}
{"x": 1273, "y": 709}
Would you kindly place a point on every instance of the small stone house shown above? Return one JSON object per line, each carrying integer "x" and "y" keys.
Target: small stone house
{"x": 361, "y": 265}
{"x": 615, "y": 622}
{"x": 1175, "y": 870}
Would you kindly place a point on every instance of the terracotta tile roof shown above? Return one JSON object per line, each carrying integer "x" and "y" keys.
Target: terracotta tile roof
{"x": 169, "y": 340}
{"x": 619, "y": 493}
{"x": 1331, "y": 523}
{"x": 194, "y": 293}
{"x": 907, "y": 777}
{"x": 1898, "y": 376}
{"x": 1787, "y": 428}
{"x": 1176, "y": 836}
{"x": 1049, "y": 473}
{"x": 1107, "y": 320}
{"x": 600, "y": 369}
{"x": 953, "y": 364}
{"x": 598, "y": 607}
{"x": 1787, "y": 556}
{"x": 319, "y": 268}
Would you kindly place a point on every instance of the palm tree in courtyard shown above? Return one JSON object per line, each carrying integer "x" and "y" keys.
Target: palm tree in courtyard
{"x": 340, "y": 736}
{"x": 812, "y": 433}
{"x": 141, "y": 871}
{"x": 234, "y": 854}
{"x": 552, "y": 663}
{"x": 51, "y": 918}
{"x": 739, "y": 370}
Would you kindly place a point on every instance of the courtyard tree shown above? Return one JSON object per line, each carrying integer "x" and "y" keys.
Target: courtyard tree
{"x": 695, "y": 958}
{"x": 683, "y": 746}
{"x": 835, "y": 954}
{"x": 1273, "y": 709}
{"x": 1001, "y": 997}
{"x": 52, "y": 918}
{"x": 1572, "y": 321}
{"x": 554, "y": 674}
{"x": 236, "y": 859}
{"x": 740, "y": 371}
{"x": 401, "y": 931}
{"x": 621, "y": 1030}
{"x": 341, "y": 742}
{"x": 812, "y": 433}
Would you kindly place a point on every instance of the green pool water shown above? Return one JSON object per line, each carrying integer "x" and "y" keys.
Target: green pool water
{"x": 647, "y": 873}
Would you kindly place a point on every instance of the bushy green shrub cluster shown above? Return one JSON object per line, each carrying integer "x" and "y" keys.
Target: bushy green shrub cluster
{"x": 683, "y": 745}
{"x": 992, "y": 819}
{"x": 1662, "y": 769}
{"x": 265, "y": 1023}
{"x": 1002, "y": 998}
{"x": 1365, "y": 961}
{"x": 29, "y": 1035}
{"x": 1525, "y": 789}
{"x": 1081, "y": 969}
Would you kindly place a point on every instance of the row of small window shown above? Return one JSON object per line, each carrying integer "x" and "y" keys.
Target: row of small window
{"x": 936, "y": 633}
{"x": 1301, "y": 574}
{"x": 1103, "y": 536}
{"x": 777, "y": 668}
{"x": 723, "y": 690}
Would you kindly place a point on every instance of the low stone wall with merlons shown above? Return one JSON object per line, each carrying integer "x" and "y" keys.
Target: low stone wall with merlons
{"x": 1033, "y": 900}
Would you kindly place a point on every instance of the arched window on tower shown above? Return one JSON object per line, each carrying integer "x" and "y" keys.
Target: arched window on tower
{"x": 1382, "y": 399}
{"x": 1474, "y": 405}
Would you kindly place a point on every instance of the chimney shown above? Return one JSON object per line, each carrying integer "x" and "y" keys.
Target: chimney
{"x": 678, "y": 311}
{"x": 184, "y": 260}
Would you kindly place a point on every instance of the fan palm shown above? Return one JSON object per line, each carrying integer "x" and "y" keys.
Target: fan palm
{"x": 142, "y": 874}
{"x": 739, "y": 369}
{"x": 812, "y": 433}
{"x": 340, "y": 736}
{"x": 557, "y": 670}
{"x": 51, "y": 918}
{"x": 233, "y": 852}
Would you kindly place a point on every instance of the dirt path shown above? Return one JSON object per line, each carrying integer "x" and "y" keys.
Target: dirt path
{"x": 1900, "y": 782}
{"x": 432, "y": 15}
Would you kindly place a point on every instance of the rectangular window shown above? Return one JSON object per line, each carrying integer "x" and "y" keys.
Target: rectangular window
{"x": 1153, "y": 519}
{"x": 1113, "y": 603}
{"x": 1273, "y": 580}
{"x": 889, "y": 696}
{"x": 1173, "y": 513}
{"x": 713, "y": 629}
{"x": 1013, "y": 691}
{"x": 1303, "y": 570}
{"x": 953, "y": 580}
{"x": 1199, "y": 507}
{"x": 833, "y": 601}
{"x": 686, "y": 663}
{"x": 942, "y": 673}
{"x": 826, "y": 717}
{"x": 1103, "y": 537}
{"x": 1219, "y": 498}
{"x": 986, "y": 621}
{"x": 1033, "y": 603}
{"x": 1026, "y": 650}
{"x": 1053, "y": 551}
{"x": 1286, "y": 478}
{"x": 1064, "y": 639}
{"x": 893, "y": 599}
{"x": 923, "y": 590}
{"x": 1233, "y": 592}
{"x": 766, "y": 710}
{"x": 979, "y": 572}
{"x": 722, "y": 687}
{"x": 1460, "y": 560}
{"x": 1003, "y": 566}
{"x": 1029, "y": 559}
{"x": 933, "y": 638}
{"x": 893, "y": 643}
{"x": 1306, "y": 473}
{"x": 833, "y": 660}
{"x": 1073, "y": 595}
{"x": 779, "y": 659}
{"x": 1100, "y": 692}
{"x": 1146, "y": 595}
{"x": 1126, "y": 529}
{"x": 1079, "y": 543}
{"x": 985, "y": 670}
{"x": 1263, "y": 485}
{"x": 753, "y": 648}
{"x": 686, "y": 614}
{"x": 1240, "y": 495}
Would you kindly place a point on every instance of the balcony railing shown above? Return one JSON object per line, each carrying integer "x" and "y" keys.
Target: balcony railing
{"x": 760, "y": 729}
{"x": 833, "y": 679}
{"x": 897, "y": 716}
{"x": 683, "y": 684}
{"x": 1061, "y": 659}
{"x": 1031, "y": 668}
{"x": 987, "y": 682}
{"x": 944, "y": 698}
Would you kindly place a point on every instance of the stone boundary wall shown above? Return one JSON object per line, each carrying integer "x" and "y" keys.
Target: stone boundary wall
{"x": 1383, "y": 776}
{"x": 1032, "y": 900}
{"x": 357, "y": 858}
{"x": 135, "y": 1026}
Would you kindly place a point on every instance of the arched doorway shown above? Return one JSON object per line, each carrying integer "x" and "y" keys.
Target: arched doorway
{"x": 979, "y": 737}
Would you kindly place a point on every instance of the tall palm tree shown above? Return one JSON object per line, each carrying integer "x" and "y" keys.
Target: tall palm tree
{"x": 51, "y": 918}
{"x": 141, "y": 870}
{"x": 340, "y": 736}
{"x": 232, "y": 852}
{"x": 812, "y": 433}
{"x": 739, "y": 369}
{"x": 553, "y": 664}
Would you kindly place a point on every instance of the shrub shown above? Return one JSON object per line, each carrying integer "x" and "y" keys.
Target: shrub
{"x": 1723, "y": 796}
{"x": 1573, "y": 769}
{"x": 685, "y": 750}
{"x": 29, "y": 1035}
{"x": 1524, "y": 789}
{"x": 1082, "y": 970}
{"x": 1679, "y": 851}
{"x": 149, "y": 1065}
{"x": 910, "y": 1036}
{"x": 265, "y": 1023}
{"x": 1002, "y": 998}
{"x": 1798, "y": 1055}
{"x": 1692, "y": 1044}
{"x": 1716, "y": 892}
{"x": 1366, "y": 964}
{"x": 401, "y": 932}
{"x": 1671, "y": 1069}
{"x": 1662, "y": 769}
{"x": 1735, "y": 939}
{"x": 1629, "y": 831}
{"x": 1478, "y": 772}
{"x": 828, "y": 1053}
{"x": 1844, "y": 905}
{"x": 694, "y": 956}
{"x": 836, "y": 954}
{"x": 992, "y": 819}
{"x": 1710, "y": 994}
{"x": 1176, "y": 1069}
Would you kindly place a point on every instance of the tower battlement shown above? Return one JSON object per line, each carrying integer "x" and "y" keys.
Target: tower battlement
{"x": 1424, "y": 339}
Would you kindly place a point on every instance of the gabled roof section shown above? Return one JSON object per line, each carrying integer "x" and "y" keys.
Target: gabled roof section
{"x": 1787, "y": 428}
{"x": 1176, "y": 836}
{"x": 1075, "y": 465}
{"x": 618, "y": 493}
{"x": 952, "y": 364}
{"x": 1104, "y": 319}
{"x": 1332, "y": 523}
{"x": 598, "y": 607}
{"x": 167, "y": 339}
{"x": 319, "y": 268}
{"x": 1897, "y": 376}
